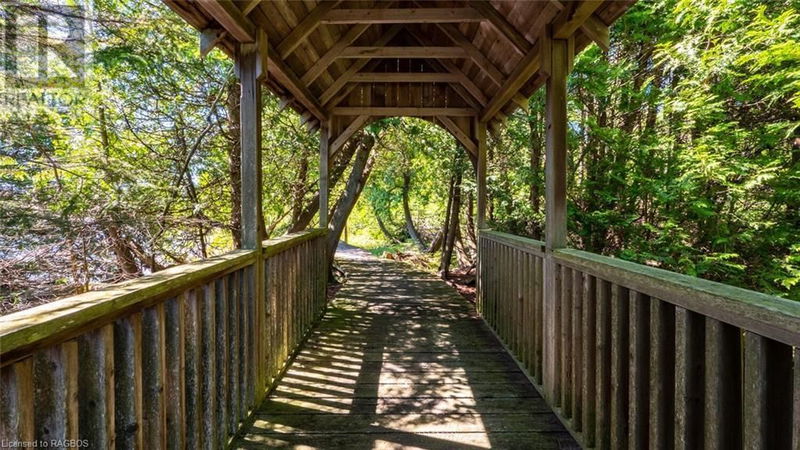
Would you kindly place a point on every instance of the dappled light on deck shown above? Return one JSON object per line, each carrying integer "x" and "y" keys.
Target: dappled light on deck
{"x": 401, "y": 361}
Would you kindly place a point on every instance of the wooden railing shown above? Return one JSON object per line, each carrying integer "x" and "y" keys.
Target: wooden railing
{"x": 645, "y": 357}
{"x": 177, "y": 359}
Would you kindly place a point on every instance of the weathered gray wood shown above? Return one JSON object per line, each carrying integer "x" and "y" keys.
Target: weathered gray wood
{"x": 16, "y": 402}
{"x": 404, "y": 357}
{"x": 662, "y": 375}
{"x": 324, "y": 140}
{"x": 620, "y": 368}
{"x": 57, "y": 321}
{"x": 521, "y": 243}
{"x": 247, "y": 62}
{"x": 689, "y": 361}
{"x": 389, "y": 111}
{"x": 402, "y": 15}
{"x": 154, "y": 418}
{"x": 769, "y": 316}
{"x": 55, "y": 392}
{"x": 565, "y": 353}
{"x": 96, "y": 387}
{"x": 221, "y": 361}
{"x": 174, "y": 346}
{"x": 207, "y": 374}
{"x": 796, "y": 401}
{"x": 128, "y": 382}
{"x": 555, "y": 208}
{"x": 576, "y": 358}
{"x": 603, "y": 365}
{"x": 589, "y": 360}
{"x": 241, "y": 367}
{"x": 233, "y": 350}
{"x": 540, "y": 328}
{"x": 723, "y": 382}
{"x": 639, "y": 378}
{"x": 192, "y": 344}
{"x": 767, "y": 403}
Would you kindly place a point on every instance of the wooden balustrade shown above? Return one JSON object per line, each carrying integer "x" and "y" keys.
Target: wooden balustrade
{"x": 176, "y": 359}
{"x": 646, "y": 357}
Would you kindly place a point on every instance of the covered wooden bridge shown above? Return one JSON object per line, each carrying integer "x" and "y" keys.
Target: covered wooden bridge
{"x": 606, "y": 353}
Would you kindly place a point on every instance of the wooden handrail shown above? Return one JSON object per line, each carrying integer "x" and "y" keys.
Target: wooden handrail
{"x": 282, "y": 243}
{"x": 24, "y": 331}
{"x": 766, "y": 315}
{"x": 519, "y": 242}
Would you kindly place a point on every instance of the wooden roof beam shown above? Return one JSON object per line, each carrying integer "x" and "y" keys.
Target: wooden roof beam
{"x": 304, "y": 28}
{"x": 389, "y": 111}
{"x": 506, "y": 29}
{"x": 243, "y": 30}
{"x": 474, "y": 53}
{"x": 403, "y": 52}
{"x": 322, "y": 64}
{"x": 346, "y": 134}
{"x": 524, "y": 70}
{"x": 405, "y": 77}
{"x": 340, "y": 82}
{"x": 597, "y": 31}
{"x": 459, "y": 134}
{"x": 284, "y": 74}
{"x": 402, "y": 15}
{"x": 473, "y": 90}
{"x": 209, "y": 38}
{"x": 228, "y": 15}
{"x": 573, "y": 16}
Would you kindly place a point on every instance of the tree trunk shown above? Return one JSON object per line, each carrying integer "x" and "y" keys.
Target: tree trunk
{"x": 362, "y": 166}
{"x": 234, "y": 163}
{"x": 341, "y": 162}
{"x": 452, "y": 227}
{"x": 385, "y": 230}
{"x": 412, "y": 231}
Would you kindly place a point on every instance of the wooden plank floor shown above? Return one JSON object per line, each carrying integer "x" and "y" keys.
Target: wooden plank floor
{"x": 402, "y": 361}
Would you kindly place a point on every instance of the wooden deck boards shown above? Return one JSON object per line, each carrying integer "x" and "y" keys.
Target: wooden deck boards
{"x": 402, "y": 361}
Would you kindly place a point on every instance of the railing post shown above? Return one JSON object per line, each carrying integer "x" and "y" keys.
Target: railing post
{"x": 480, "y": 138}
{"x": 251, "y": 67}
{"x": 555, "y": 59}
{"x": 324, "y": 141}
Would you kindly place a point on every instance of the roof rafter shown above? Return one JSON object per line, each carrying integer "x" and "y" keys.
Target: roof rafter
{"x": 459, "y": 134}
{"x": 402, "y": 15}
{"x": 573, "y": 16}
{"x": 506, "y": 29}
{"x": 351, "y": 129}
{"x": 340, "y": 82}
{"x": 474, "y": 53}
{"x": 524, "y": 70}
{"x": 243, "y": 30}
{"x": 304, "y": 28}
{"x": 472, "y": 90}
{"x": 403, "y": 52}
{"x": 388, "y": 111}
{"x": 405, "y": 77}
{"x": 353, "y": 33}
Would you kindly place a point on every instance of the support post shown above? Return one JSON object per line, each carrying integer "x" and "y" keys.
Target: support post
{"x": 324, "y": 141}
{"x": 555, "y": 205}
{"x": 249, "y": 64}
{"x": 480, "y": 137}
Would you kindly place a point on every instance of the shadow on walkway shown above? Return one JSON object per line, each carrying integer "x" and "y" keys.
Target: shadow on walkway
{"x": 402, "y": 361}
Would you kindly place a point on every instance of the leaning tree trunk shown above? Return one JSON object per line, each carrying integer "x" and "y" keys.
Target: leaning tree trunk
{"x": 410, "y": 228}
{"x": 452, "y": 227}
{"x": 362, "y": 166}
{"x": 341, "y": 161}
{"x": 385, "y": 230}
